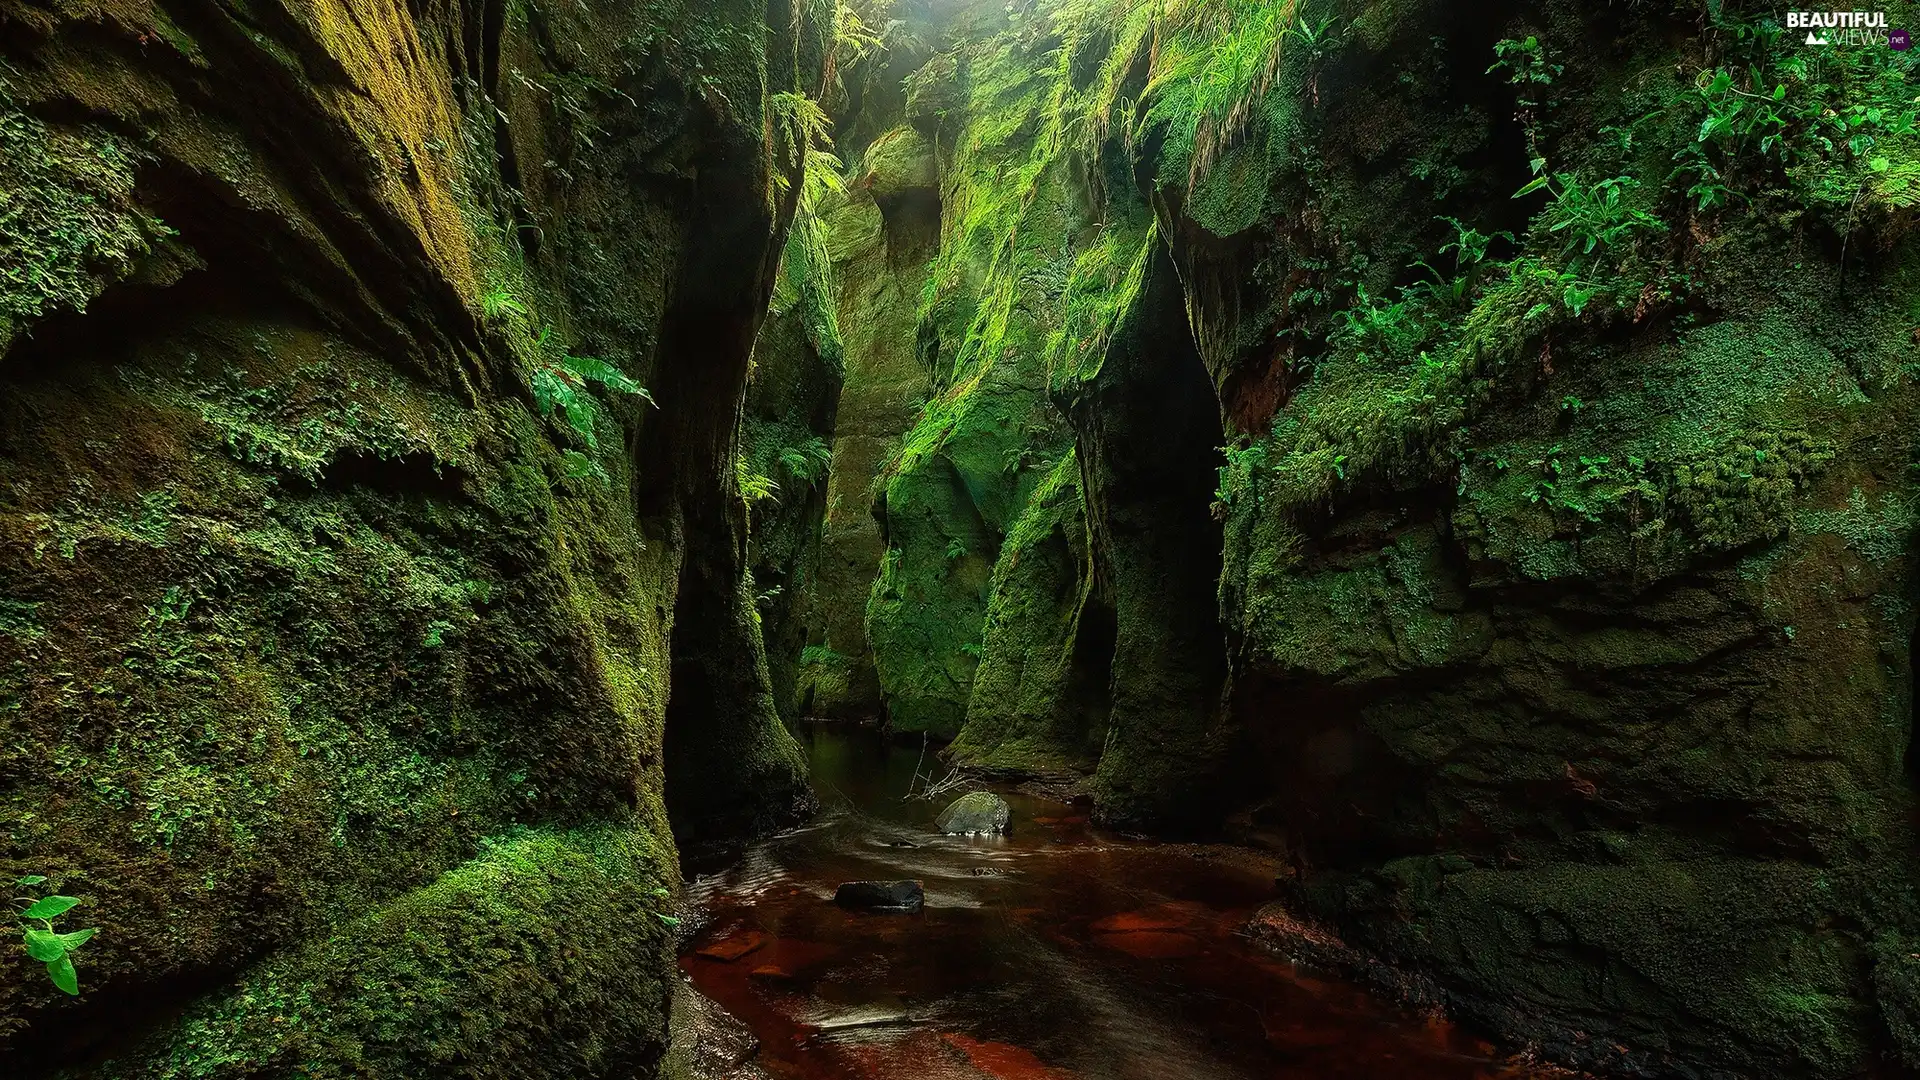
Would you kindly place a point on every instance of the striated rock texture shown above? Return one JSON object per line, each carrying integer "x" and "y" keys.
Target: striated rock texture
{"x": 1534, "y": 568}
{"x": 352, "y": 621}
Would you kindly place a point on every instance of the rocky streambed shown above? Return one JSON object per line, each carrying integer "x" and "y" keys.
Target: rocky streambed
{"x": 1055, "y": 951}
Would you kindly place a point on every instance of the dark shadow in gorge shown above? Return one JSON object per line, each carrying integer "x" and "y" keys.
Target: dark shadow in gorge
{"x": 1148, "y": 429}
{"x": 731, "y": 769}
{"x": 1911, "y": 761}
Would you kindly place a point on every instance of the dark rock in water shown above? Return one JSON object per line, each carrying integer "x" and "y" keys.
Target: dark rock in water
{"x": 981, "y": 813}
{"x": 892, "y": 896}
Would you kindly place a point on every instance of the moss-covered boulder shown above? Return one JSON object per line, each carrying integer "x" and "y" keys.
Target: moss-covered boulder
{"x": 979, "y": 813}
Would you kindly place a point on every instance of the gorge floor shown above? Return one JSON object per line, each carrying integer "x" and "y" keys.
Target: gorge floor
{"x": 1060, "y": 952}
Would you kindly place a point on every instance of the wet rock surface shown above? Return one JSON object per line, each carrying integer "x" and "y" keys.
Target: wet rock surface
{"x": 708, "y": 1043}
{"x": 981, "y": 813}
{"x": 900, "y": 897}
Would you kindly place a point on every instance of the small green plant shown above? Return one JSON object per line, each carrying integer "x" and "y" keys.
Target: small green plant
{"x": 1388, "y": 328}
{"x": 1601, "y": 215}
{"x": 499, "y": 302}
{"x": 42, "y": 941}
{"x": 754, "y": 486}
{"x": 975, "y": 650}
{"x": 662, "y": 894}
{"x": 1525, "y": 63}
{"x": 563, "y": 382}
{"x": 809, "y": 461}
{"x": 1469, "y": 249}
{"x": 1237, "y": 473}
{"x": 956, "y": 549}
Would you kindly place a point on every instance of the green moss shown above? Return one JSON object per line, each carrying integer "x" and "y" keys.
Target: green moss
{"x": 545, "y": 956}
{"x": 1896, "y": 981}
{"x": 326, "y": 672}
{"x": 1880, "y": 532}
{"x": 898, "y": 163}
{"x": 1038, "y": 697}
{"x": 69, "y": 222}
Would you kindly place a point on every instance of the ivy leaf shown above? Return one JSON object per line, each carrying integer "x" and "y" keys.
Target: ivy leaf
{"x": 63, "y": 976}
{"x": 1880, "y": 164}
{"x": 30, "y": 879}
{"x": 76, "y": 939}
{"x": 44, "y": 946}
{"x": 49, "y": 907}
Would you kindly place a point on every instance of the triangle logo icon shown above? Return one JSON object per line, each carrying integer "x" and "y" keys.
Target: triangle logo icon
{"x": 1814, "y": 37}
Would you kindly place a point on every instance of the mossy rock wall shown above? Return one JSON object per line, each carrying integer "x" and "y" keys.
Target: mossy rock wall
{"x": 1148, "y": 426}
{"x": 1570, "y": 617}
{"x": 991, "y": 308}
{"x": 885, "y": 386}
{"x": 1040, "y": 695}
{"x": 335, "y": 675}
{"x": 1563, "y": 613}
{"x": 791, "y": 405}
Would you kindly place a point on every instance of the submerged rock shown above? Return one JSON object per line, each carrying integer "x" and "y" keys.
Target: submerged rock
{"x": 890, "y": 896}
{"x": 981, "y": 812}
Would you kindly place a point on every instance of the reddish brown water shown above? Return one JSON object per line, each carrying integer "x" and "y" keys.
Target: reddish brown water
{"x": 1059, "y": 952}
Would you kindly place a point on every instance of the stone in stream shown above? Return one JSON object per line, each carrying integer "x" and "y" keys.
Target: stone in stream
{"x": 904, "y": 897}
{"x": 981, "y": 813}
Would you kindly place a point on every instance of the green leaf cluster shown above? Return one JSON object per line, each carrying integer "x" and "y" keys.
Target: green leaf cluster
{"x": 809, "y": 461}
{"x": 43, "y": 942}
{"x": 563, "y": 382}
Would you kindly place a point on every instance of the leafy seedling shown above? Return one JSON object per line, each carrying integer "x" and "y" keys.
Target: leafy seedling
{"x": 42, "y": 941}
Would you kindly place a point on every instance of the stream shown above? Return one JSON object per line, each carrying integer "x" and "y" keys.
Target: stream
{"x": 1055, "y": 953}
